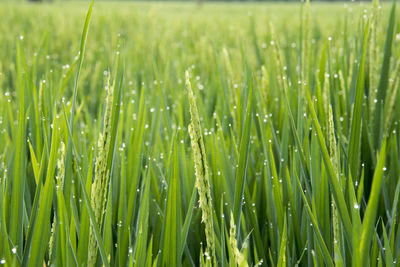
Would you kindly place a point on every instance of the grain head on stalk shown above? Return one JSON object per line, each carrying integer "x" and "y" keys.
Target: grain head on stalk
{"x": 202, "y": 175}
{"x": 59, "y": 183}
{"x": 102, "y": 176}
{"x": 238, "y": 257}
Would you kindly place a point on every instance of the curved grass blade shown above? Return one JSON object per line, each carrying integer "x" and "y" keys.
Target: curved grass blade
{"x": 18, "y": 184}
{"x": 241, "y": 172}
{"x": 384, "y": 78}
{"x": 68, "y": 159}
{"x": 372, "y": 207}
{"x": 355, "y": 133}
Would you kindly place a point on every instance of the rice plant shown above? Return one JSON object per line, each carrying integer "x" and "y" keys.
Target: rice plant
{"x": 163, "y": 134}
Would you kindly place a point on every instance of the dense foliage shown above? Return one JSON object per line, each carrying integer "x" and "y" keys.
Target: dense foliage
{"x": 280, "y": 146}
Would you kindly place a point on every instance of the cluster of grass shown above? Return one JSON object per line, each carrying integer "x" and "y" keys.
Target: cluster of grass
{"x": 279, "y": 147}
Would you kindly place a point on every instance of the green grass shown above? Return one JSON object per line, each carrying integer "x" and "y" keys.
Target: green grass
{"x": 279, "y": 148}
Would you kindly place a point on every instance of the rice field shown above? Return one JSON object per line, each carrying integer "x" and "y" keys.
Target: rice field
{"x": 172, "y": 134}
